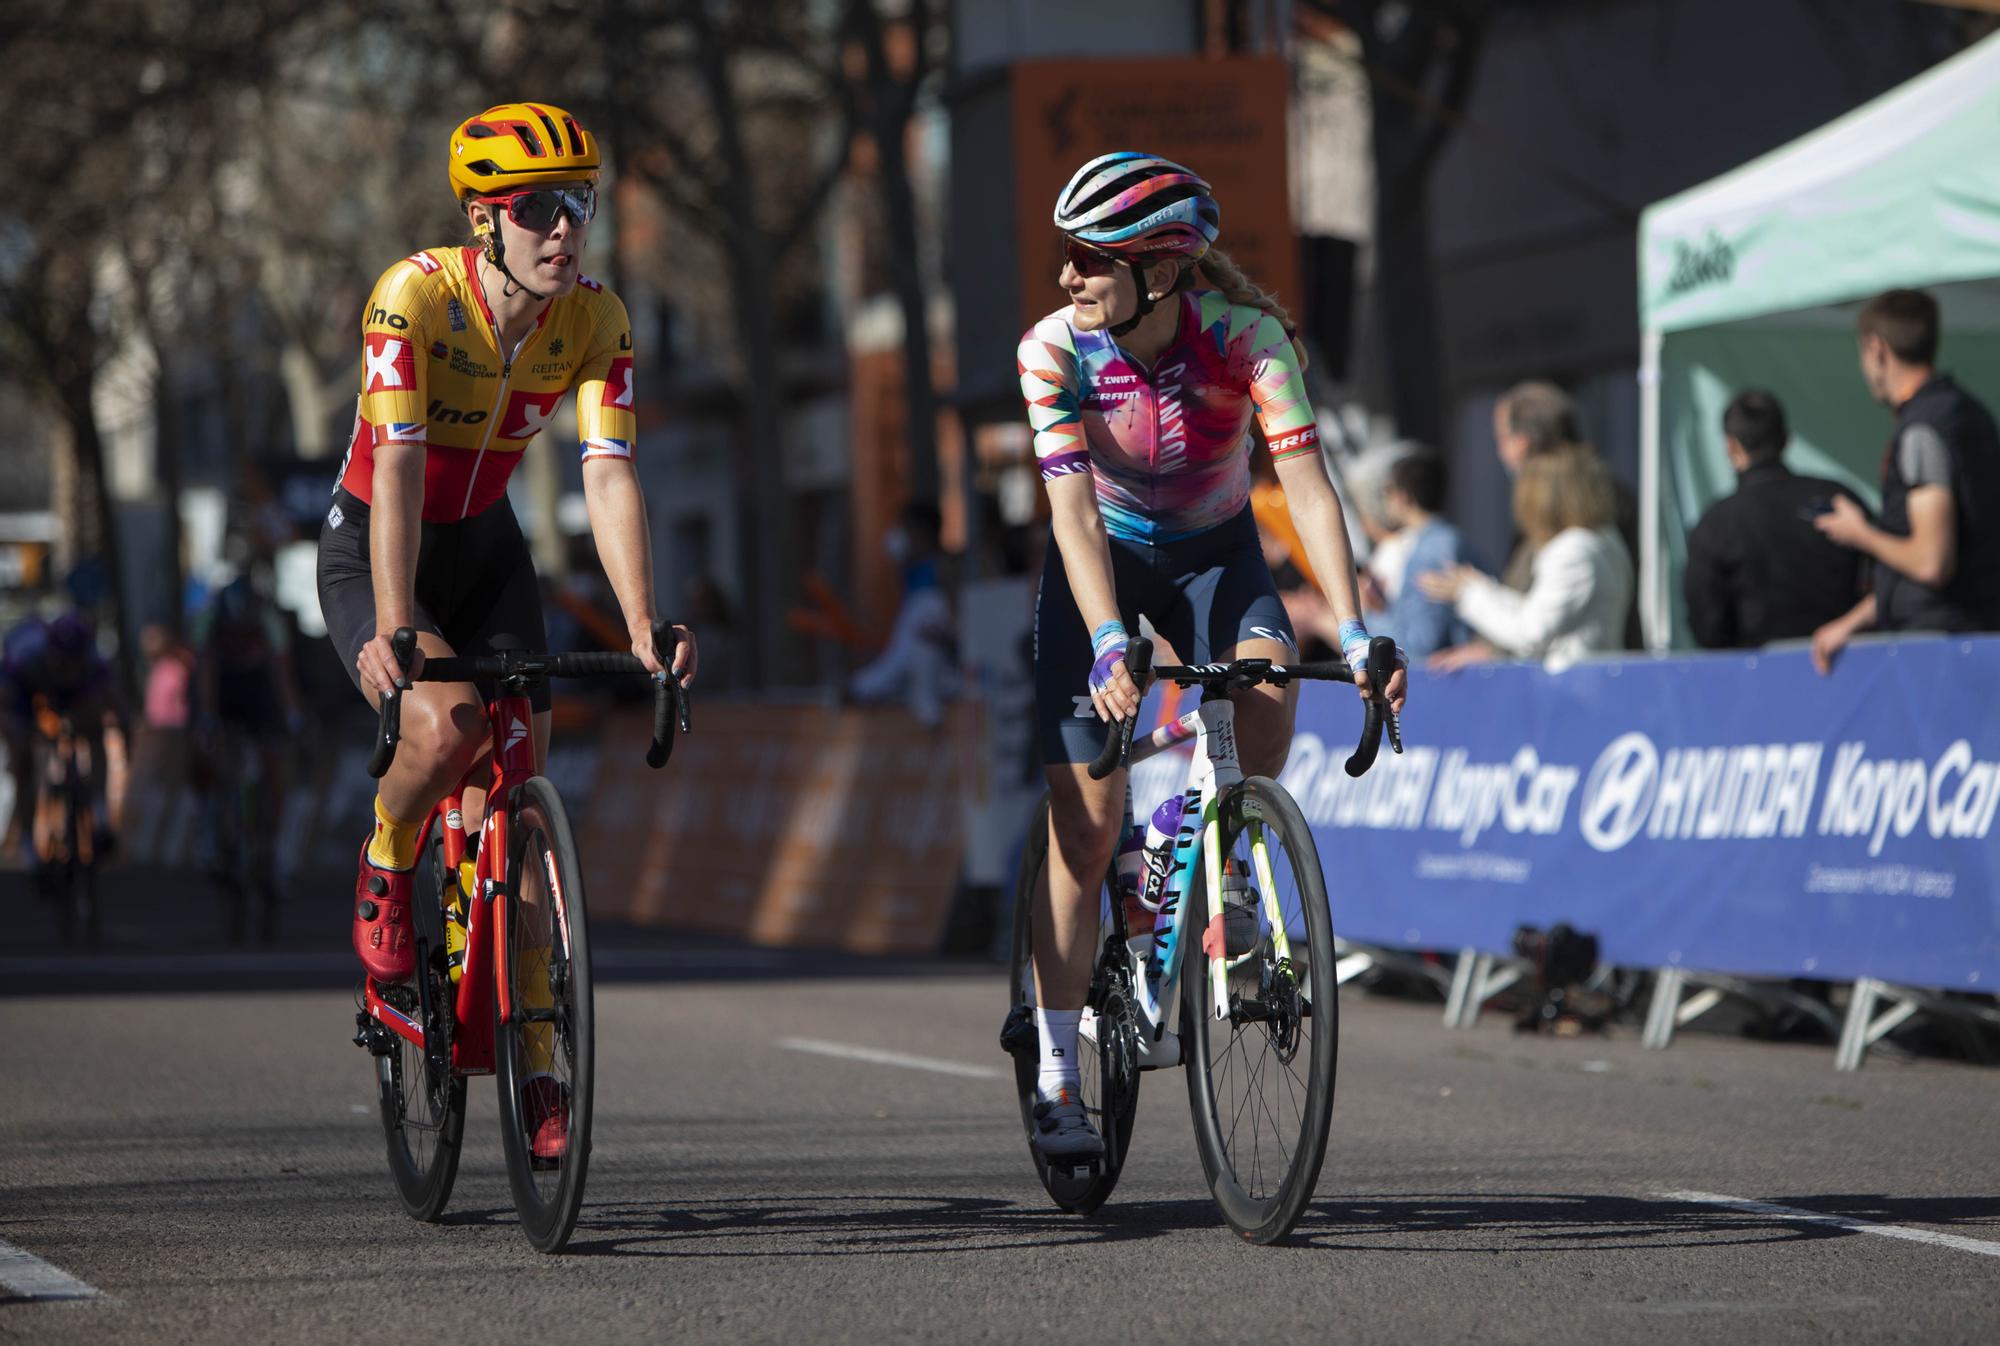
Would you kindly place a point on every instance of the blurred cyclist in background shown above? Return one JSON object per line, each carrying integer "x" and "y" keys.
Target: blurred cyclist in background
{"x": 248, "y": 714}
{"x": 51, "y": 673}
{"x": 1141, "y": 390}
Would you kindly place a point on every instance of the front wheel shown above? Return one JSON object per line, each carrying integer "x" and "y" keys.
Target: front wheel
{"x": 1261, "y": 1062}
{"x": 422, "y": 1101}
{"x": 545, "y": 1040}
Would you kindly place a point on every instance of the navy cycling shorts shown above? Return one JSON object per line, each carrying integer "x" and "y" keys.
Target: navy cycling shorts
{"x": 1204, "y": 594}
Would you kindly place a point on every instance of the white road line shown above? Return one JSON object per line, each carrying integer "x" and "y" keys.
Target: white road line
{"x": 879, "y": 1057}
{"x": 1893, "y": 1231}
{"x": 26, "y": 1276}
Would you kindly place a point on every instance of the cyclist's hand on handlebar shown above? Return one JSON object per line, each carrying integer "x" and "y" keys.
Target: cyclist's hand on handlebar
{"x": 380, "y": 673}
{"x": 645, "y": 648}
{"x": 1398, "y": 687}
{"x": 1117, "y": 697}
{"x": 686, "y": 657}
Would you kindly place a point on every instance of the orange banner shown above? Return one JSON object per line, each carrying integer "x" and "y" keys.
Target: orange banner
{"x": 1225, "y": 119}
{"x": 790, "y": 825}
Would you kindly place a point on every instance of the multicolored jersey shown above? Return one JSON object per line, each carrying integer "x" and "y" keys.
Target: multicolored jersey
{"x": 435, "y": 375}
{"x": 1168, "y": 447}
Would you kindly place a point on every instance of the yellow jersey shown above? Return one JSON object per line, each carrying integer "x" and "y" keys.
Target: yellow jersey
{"x": 434, "y": 374}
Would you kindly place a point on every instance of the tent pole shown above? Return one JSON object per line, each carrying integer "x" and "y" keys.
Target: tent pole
{"x": 1653, "y": 605}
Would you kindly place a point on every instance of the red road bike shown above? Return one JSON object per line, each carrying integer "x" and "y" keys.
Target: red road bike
{"x": 503, "y": 984}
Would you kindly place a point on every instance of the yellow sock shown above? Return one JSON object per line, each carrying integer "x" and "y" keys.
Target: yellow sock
{"x": 394, "y": 845}
{"x": 531, "y": 976}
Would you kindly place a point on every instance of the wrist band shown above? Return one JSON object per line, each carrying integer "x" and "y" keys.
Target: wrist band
{"x": 1107, "y": 635}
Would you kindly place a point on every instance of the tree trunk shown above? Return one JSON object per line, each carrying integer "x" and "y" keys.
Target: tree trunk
{"x": 167, "y": 473}
{"x": 889, "y": 127}
{"x": 75, "y": 396}
{"x": 764, "y": 543}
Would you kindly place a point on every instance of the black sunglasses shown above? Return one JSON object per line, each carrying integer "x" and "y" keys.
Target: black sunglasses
{"x": 537, "y": 208}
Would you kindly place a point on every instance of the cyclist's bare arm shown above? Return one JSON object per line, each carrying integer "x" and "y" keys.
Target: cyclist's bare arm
{"x": 1079, "y": 534}
{"x": 1322, "y": 526}
{"x": 618, "y": 525}
{"x": 395, "y": 512}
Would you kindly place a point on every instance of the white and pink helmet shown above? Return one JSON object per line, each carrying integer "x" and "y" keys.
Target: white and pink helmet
{"x": 1139, "y": 206}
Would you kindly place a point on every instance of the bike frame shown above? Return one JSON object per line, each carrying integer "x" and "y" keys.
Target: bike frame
{"x": 486, "y": 969}
{"x": 1213, "y": 770}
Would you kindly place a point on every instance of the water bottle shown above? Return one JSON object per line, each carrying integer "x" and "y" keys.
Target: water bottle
{"x": 1161, "y": 833}
{"x": 1129, "y": 866}
{"x": 456, "y": 912}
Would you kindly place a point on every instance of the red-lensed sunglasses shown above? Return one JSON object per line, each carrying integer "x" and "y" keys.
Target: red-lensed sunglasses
{"x": 536, "y": 209}
{"x": 1089, "y": 261}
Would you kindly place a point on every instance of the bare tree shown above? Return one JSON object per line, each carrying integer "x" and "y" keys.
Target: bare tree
{"x": 1420, "y": 61}
{"x": 889, "y": 91}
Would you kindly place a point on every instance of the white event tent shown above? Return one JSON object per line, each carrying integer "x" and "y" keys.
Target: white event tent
{"x": 1753, "y": 279}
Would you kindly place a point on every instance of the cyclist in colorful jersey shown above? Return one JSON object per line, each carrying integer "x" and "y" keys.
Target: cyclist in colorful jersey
{"x": 1141, "y": 391}
{"x": 467, "y": 353}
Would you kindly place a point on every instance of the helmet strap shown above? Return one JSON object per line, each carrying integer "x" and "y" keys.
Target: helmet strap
{"x": 496, "y": 253}
{"x": 1145, "y": 300}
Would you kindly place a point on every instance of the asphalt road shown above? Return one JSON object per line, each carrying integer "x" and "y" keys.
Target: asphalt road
{"x": 209, "y": 1160}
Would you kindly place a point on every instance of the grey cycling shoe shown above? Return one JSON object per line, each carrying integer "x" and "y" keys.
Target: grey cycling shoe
{"x": 1063, "y": 1132}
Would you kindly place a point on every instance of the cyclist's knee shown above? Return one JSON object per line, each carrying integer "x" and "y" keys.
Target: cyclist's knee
{"x": 442, "y": 734}
{"x": 1264, "y": 730}
{"x": 1084, "y": 824}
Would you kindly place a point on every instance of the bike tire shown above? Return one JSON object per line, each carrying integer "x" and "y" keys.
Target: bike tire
{"x": 1260, "y": 1193}
{"x": 422, "y": 1100}
{"x": 1110, "y": 1091}
{"x": 544, "y": 880}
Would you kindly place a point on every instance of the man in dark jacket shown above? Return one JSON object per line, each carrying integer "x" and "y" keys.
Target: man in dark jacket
{"x": 1937, "y": 549}
{"x": 1757, "y": 569}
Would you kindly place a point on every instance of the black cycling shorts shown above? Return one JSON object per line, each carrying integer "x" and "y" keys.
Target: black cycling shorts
{"x": 476, "y": 586}
{"x": 1204, "y": 594}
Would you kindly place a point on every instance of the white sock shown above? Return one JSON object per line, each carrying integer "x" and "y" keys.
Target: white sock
{"x": 1057, "y": 1031}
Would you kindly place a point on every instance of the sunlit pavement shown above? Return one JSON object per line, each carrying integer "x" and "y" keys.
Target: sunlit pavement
{"x": 208, "y": 1162}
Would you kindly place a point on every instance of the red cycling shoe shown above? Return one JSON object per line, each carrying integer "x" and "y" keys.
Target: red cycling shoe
{"x": 545, "y": 1103}
{"x": 383, "y": 933}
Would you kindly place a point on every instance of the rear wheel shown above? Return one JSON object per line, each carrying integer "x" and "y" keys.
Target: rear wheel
{"x": 1109, "y": 1067}
{"x": 423, "y": 1103}
{"x": 1260, "y": 1077}
{"x": 545, "y": 1048}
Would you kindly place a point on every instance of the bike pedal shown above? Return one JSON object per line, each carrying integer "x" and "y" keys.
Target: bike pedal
{"x": 1017, "y": 1035}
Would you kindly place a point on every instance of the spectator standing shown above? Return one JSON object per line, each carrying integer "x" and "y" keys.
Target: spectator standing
{"x": 1757, "y": 568}
{"x": 919, "y": 664}
{"x": 1936, "y": 550}
{"x": 1422, "y": 625}
{"x": 1531, "y": 418}
{"x": 1581, "y": 587}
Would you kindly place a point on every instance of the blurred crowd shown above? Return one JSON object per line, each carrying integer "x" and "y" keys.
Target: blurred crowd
{"x": 1786, "y": 557}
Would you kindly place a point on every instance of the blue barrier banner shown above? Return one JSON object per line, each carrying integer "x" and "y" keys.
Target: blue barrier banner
{"x": 1724, "y": 813}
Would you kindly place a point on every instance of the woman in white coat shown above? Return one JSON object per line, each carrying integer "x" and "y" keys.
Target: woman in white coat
{"x": 1566, "y": 507}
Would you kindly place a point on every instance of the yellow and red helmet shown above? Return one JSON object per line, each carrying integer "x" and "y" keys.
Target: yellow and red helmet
{"x": 517, "y": 145}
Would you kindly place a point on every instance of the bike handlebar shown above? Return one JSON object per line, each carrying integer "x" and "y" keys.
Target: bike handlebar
{"x": 670, "y": 700}
{"x": 1380, "y": 666}
{"x": 1138, "y": 662}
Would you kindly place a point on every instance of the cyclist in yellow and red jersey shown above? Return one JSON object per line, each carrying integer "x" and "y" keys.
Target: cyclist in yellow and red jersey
{"x": 467, "y": 353}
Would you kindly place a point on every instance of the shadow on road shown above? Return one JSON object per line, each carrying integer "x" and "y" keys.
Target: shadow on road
{"x": 854, "y": 1226}
{"x": 859, "y": 1226}
{"x": 1580, "y": 1223}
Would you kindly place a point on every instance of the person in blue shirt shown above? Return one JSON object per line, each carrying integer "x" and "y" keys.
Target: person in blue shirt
{"x": 1411, "y": 500}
